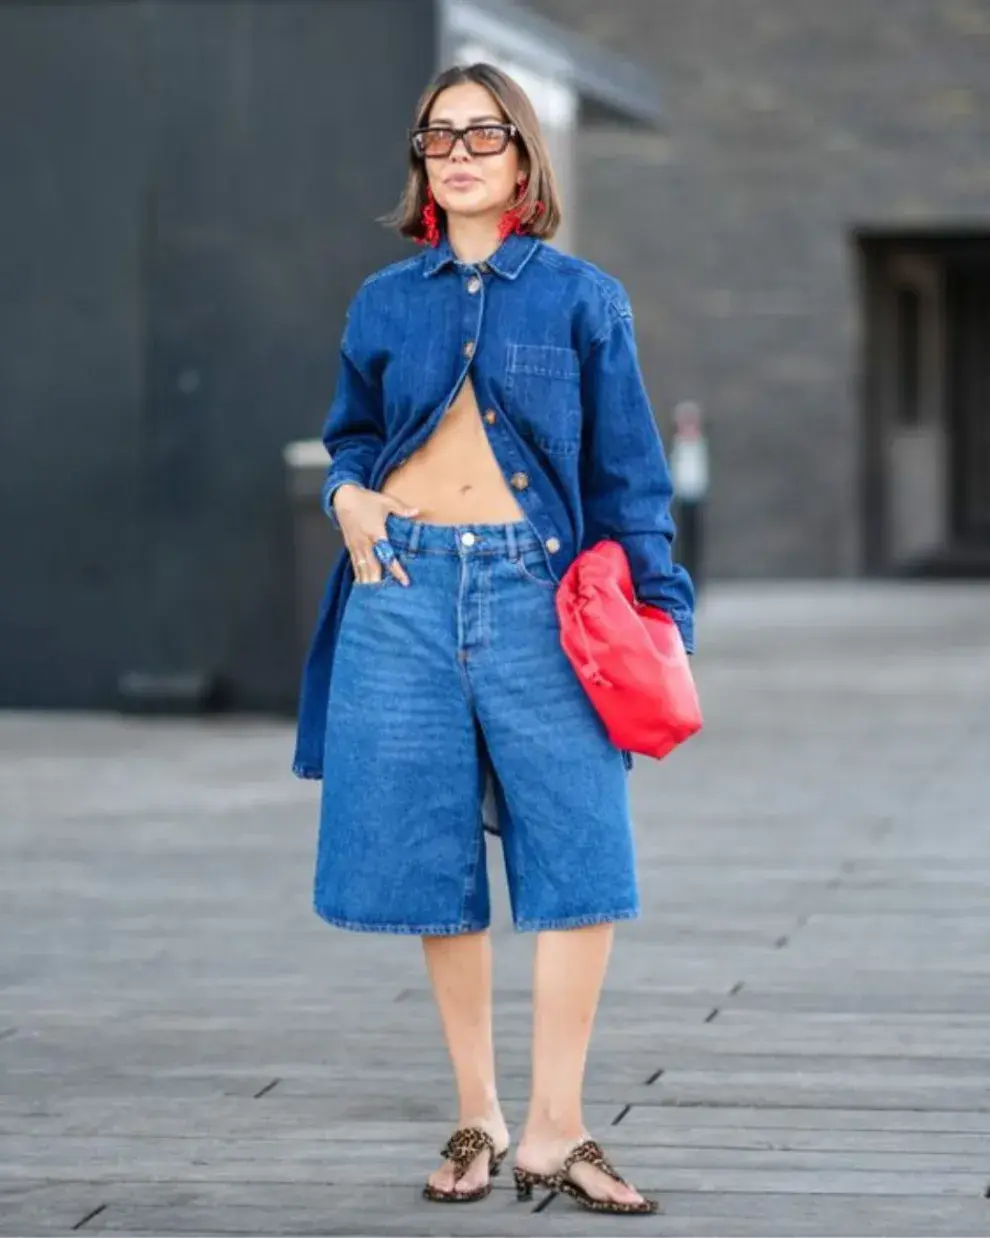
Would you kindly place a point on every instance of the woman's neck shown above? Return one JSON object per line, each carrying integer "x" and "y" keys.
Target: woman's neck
{"x": 473, "y": 238}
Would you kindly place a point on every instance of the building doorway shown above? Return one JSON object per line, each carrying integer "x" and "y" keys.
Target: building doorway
{"x": 926, "y": 403}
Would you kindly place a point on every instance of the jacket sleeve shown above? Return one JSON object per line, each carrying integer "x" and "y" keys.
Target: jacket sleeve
{"x": 354, "y": 430}
{"x": 626, "y": 484}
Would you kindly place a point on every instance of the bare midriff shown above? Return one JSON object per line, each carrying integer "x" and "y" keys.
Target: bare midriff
{"x": 454, "y": 477}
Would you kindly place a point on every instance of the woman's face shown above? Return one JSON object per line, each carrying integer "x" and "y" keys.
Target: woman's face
{"x": 466, "y": 184}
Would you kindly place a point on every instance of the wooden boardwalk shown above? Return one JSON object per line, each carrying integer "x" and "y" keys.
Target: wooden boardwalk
{"x": 794, "y": 1040}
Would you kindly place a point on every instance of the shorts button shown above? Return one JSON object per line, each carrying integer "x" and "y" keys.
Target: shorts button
{"x": 491, "y": 417}
{"x": 469, "y": 348}
{"x": 553, "y": 545}
{"x": 468, "y": 539}
{"x": 519, "y": 481}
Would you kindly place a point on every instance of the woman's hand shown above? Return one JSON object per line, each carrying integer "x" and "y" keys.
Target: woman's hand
{"x": 361, "y": 514}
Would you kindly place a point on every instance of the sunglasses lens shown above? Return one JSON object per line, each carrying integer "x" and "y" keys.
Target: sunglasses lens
{"x": 487, "y": 140}
{"x": 434, "y": 143}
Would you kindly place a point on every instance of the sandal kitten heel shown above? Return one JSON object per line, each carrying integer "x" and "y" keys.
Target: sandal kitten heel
{"x": 526, "y": 1180}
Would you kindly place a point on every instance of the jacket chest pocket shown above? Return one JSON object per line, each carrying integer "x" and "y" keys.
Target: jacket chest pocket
{"x": 543, "y": 390}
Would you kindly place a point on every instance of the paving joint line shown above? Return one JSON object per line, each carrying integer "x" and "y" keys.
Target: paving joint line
{"x": 89, "y": 1216}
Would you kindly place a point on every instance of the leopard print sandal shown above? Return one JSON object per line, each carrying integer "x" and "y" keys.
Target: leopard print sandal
{"x": 591, "y": 1154}
{"x": 463, "y": 1147}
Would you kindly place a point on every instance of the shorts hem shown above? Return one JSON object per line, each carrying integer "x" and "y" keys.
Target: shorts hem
{"x": 411, "y": 930}
{"x": 568, "y": 922}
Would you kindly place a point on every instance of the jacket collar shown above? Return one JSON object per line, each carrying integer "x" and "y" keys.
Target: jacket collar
{"x": 508, "y": 260}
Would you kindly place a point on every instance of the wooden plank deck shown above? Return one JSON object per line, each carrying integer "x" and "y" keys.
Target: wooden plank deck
{"x": 794, "y": 1040}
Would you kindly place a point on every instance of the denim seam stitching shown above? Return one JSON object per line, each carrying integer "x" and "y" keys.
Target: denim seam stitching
{"x": 471, "y": 879}
{"x": 525, "y": 574}
{"x": 452, "y": 553}
{"x": 418, "y": 930}
{"x": 565, "y": 922}
{"x": 617, "y": 313}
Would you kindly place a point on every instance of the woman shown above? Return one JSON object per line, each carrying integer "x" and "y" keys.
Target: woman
{"x": 489, "y": 422}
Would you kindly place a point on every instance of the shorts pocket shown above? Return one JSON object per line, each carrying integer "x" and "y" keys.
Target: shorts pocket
{"x": 543, "y": 390}
{"x": 375, "y": 586}
{"x": 531, "y": 566}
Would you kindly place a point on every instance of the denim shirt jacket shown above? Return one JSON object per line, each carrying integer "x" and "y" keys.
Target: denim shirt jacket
{"x": 548, "y": 341}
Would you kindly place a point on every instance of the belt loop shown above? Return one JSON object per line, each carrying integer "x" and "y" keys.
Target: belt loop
{"x": 414, "y": 533}
{"x": 511, "y": 544}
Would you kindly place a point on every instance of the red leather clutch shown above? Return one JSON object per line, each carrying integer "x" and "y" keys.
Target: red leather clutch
{"x": 628, "y": 655}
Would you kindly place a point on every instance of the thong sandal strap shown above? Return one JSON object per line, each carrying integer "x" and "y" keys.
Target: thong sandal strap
{"x": 465, "y": 1145}
{"x": 590, "y": 1153}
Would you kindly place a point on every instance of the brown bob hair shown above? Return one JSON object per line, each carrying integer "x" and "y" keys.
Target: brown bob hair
{"x": 534, "y": 157}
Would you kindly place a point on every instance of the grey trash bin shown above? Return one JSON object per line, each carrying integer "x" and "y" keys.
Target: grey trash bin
{"x": 316, "y": 540}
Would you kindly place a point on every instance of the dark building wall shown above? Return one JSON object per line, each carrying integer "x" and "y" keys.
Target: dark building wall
{"x": 73, "y": 147}
{"x": 790, "y": 122}
{"x": 190, "y": 195}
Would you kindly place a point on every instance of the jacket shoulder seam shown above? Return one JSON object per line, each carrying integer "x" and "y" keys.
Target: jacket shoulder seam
{"x": 394, "y": 268}
{"x": 617, "y": 311}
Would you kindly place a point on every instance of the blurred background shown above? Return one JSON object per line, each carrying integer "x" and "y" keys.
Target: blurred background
{"x": 795, "y": 194}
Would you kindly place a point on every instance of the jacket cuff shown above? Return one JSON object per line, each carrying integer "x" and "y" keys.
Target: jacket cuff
{"x": 685, "y": 625}
{"x": 330, "y": 488}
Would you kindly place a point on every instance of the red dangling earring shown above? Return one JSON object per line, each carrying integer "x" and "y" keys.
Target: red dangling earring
{"x": 428, "y": 218}
{"x": 512, "y": 220}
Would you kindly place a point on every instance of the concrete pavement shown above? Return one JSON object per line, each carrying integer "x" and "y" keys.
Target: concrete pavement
{"x": 794, "y": 1040}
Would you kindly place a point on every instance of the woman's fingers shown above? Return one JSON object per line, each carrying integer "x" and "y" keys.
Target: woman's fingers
{"x": 360, "y": 548}
{"x": 369, "y": 548}
{"x": 366, "y": 567}
{"x": 385, "y": 554}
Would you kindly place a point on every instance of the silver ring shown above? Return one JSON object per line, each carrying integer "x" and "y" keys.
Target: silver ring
{"x": 360, "y": 562}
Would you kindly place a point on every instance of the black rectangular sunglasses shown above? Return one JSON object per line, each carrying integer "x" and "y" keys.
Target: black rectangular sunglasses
{"x": 438, "y": 141}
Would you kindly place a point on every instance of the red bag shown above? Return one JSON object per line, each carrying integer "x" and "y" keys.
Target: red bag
{"x": 629, "y": 656}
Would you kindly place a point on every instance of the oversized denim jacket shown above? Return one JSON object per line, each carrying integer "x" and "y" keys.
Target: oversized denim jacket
{"x": 548, "y": 341}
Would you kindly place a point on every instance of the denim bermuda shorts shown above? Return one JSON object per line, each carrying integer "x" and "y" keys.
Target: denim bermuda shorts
{"x": 433, "y": 685}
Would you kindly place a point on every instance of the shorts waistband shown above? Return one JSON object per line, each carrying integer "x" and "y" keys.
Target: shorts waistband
{"x": 506, "y": 540}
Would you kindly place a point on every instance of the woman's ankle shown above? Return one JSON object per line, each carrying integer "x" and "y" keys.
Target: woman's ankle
{"x": 548, "y": 1126}
{"x": 488, "y": 1115}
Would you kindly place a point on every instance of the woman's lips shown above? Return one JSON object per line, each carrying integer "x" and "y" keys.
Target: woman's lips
{"x": 460, "y": 182}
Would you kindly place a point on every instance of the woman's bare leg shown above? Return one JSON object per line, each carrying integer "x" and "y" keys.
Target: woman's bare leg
{"x": 569, "y": 968}
{"x": 460, "y": 969}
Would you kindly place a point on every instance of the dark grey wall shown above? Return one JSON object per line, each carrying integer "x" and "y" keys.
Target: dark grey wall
{"x": 73, "y": 147}
{"x": 791, "y": 121}
{"x": 189, "y": 200}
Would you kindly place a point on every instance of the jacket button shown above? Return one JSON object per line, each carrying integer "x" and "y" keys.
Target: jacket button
{"x": 491, "y": 417}
{"x": 469, "y": 348}
{"x": 553, "y": 545}
{"x": 519, "y": 481}
{"x": 473, "y": 284}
